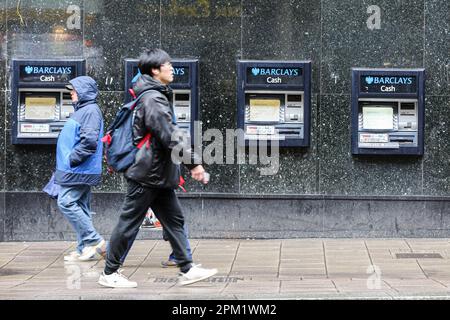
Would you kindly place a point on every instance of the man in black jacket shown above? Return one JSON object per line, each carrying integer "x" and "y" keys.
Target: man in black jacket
{"x": 153, "y": 177}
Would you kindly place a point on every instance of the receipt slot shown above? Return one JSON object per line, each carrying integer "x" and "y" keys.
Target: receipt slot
{"x": 388, "y": 111}
{"x": 274, "y": 101}
{"x": 185, "y": 91}
{"x": 41, "y": 104}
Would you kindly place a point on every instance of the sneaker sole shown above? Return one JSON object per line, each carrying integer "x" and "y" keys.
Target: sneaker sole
{"x": 72, "y": 260}
{"x": 165, "y": 266}
{"x": 106, "y": 284}
{"x": 187, "y": 282}
{"x": 91, "y": 258}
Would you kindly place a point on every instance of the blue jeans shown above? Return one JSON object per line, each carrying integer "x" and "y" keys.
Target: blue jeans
{"x": 171, "y": 256}
{"x": 188, "y": 245}
{"x": 75, "y": 204}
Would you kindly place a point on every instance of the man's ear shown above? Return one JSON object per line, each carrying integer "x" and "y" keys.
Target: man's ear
{"x": 155, "y": 71}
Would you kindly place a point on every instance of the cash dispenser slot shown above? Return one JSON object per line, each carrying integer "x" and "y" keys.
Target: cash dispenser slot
{"x": 403, "y": 140}
{"x": 289, "y": 131}
{"x": 293, "y": 132}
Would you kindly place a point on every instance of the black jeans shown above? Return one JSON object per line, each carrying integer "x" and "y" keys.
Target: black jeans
{"x": 167, "y": 209}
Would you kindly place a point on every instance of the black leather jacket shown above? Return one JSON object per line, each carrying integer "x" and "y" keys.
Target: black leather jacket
{"x": 153, "y": 165}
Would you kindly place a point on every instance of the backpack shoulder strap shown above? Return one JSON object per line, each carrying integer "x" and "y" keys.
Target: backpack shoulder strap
{"x": 140, "y": 96}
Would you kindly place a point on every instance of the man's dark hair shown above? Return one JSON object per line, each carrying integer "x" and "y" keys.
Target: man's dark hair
{"x": 152, "y": 58}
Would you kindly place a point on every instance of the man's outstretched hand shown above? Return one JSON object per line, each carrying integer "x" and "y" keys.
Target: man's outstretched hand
{"x": 199, "y": 174}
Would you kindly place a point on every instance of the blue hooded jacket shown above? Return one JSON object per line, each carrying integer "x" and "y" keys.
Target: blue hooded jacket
{"x": 79, "y": 149}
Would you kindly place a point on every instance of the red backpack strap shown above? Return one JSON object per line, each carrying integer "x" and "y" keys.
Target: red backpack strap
{"x": 131, "y": 91}
{"x": 107, "y": 138}
{"x": 145, "y": 141}
{"x": 181, "y": 183}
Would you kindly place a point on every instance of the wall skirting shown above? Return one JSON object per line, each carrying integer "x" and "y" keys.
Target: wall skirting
{"x": 32, "y": 216}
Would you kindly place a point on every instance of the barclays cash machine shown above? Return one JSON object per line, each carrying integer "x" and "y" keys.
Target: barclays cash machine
{"x": 185, "y": 90}
{"x": 274, "y": 101}
{"x": 41, "y": 104}
{"x": 388, "y": 111}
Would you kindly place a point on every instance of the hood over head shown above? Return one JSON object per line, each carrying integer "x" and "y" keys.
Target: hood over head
{"x": 86, "y": 89}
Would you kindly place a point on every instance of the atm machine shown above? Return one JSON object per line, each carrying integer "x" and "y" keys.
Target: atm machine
{"x": 41, "y": 104}
{"x": 274, "y": 101}
{"x": 388, "y": 108}
{"x": 185, "y": 91}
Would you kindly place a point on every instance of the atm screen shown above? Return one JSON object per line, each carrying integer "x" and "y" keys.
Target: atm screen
{"x": 378, "y": 117}
{"x": 267, "y": 110}
{"x": 40, "y": 108}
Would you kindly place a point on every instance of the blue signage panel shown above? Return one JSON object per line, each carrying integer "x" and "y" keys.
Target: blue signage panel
{"x": 47, "y": 73}
{"x": 283, "y": 76}
{"x": 185, "y": 74}
{"x": 181, "y": 74}
{"x": 388, "y": 84}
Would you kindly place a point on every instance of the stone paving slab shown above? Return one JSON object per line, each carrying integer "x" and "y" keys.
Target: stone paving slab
{"x": 248, "y": 269}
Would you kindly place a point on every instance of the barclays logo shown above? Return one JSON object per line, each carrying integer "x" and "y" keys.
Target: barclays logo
{"x": 389, "y": 80}
{"x": 48, "y": 70}
{"x": 255, "y": 71}
{"x": 275, "y": 72}
{"x": 29, "y": 69}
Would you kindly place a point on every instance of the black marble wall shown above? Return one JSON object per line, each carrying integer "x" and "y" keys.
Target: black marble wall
{"x": 334, "y": 34}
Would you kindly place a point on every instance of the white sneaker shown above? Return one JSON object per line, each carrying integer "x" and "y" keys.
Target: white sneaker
{"x": 90, "y": 252}
{"x": 72, "y": 256}
{"x": 116, "y": 280}
{"x": 195, "y": 274}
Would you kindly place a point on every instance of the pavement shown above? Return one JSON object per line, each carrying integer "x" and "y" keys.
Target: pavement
{"x": 318, "y": 269}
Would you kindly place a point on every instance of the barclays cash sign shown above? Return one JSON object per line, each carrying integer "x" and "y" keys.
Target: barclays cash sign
{"x": 47, "y": 73}
{"x": 275, "y": 75}
{"x": 48, "y": 70}
{"x": 390, "y": 84}
{"x": 389, "y": 80}
{"x": 275, "y": 72}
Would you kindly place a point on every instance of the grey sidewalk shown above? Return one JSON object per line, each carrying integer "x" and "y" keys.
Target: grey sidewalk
{"x": 248, "y": 269}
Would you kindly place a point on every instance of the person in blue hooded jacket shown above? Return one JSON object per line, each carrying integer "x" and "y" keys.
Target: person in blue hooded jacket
{"x": 79, "y": 166}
